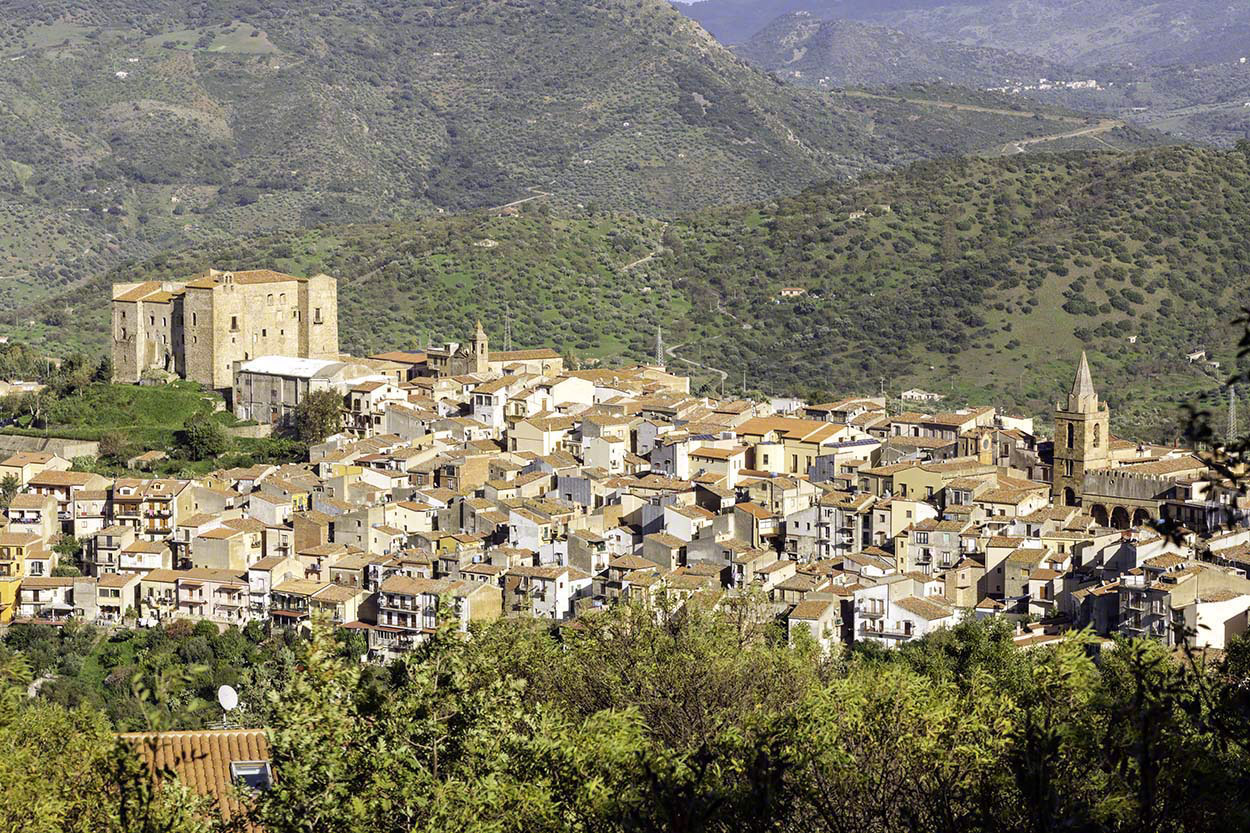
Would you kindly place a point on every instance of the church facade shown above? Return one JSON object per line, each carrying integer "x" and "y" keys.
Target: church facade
{"x": 1119, "y": 485}
{"x": 454, "y": 359}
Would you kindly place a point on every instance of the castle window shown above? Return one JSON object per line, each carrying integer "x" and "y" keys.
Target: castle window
{"x": 1097, "y": 435}
{"x": 282, "y": 298}
{"x": 152, "y": 320}
{"x": 269, "y": 299}
{"x": 264, "y": 333}
{"x": 192, "y": 319}
{"x": 234, "y": 323}
{"x": 1071, "y": 435}
{"x": 317, "y": 316}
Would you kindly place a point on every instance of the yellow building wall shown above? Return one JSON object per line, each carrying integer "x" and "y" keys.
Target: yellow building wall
{"x": 8, "y": 599}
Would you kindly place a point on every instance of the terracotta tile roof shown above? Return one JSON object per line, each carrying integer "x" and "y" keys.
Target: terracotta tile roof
{"x": 247, "y": 276}
{"x": 805, "y": 430}
{"x": 927, "y": 609}
{"x": 755, "y": 510}
{"x": 523, "y": 355}
{"x": 202, "y": 759}
{"x": 30, "y": 501}
{"x": 61, "y": 478}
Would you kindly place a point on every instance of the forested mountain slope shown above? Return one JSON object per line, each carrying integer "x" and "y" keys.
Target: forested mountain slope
{"x": 131, "y": 128}
{"x": 980, "y": 278}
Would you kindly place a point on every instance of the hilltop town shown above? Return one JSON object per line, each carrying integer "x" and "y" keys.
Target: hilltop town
{"x": 519, "y": 487}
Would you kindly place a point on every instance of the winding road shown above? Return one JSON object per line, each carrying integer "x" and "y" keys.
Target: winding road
{"x": 649, "y": 257}
{"x": 1017, "y": 146}
{"x": 537, "y": 194}
{"x": 1093, "y": 131}
{"x": 672, "y": 354}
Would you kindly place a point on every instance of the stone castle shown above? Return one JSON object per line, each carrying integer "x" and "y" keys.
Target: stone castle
{"x": 201, "y": 328}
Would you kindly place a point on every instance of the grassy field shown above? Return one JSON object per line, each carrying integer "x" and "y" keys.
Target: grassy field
{"x": 142, "y": 418}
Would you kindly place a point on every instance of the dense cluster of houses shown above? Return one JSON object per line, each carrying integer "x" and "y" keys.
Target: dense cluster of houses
{"x": 501, "y": 485}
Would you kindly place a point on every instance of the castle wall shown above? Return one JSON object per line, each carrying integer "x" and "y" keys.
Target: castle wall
{"x": 128, "y": 338}
{"x": 214, "y": 322}
{"x": 320, "y": 306}
{"x": 199, "y": 336}
{"x": 1113, "y": 486}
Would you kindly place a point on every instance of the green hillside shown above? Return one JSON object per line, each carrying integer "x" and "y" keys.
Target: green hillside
{"x": 128, "y": 129}
{"x": 979, "y": 278}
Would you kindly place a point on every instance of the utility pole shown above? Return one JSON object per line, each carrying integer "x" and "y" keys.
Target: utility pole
{"x": 1233, "y": 432}
{"x": 659, "y": 346}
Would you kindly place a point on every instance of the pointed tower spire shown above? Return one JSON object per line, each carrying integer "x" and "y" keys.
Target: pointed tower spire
{"x": 1083, "y": 397}
{"x": 1083, "y": 385}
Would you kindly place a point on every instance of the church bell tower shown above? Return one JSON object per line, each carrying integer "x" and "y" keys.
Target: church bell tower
{"x": 1082, "y": 441}
{"x": 481, "y": 350}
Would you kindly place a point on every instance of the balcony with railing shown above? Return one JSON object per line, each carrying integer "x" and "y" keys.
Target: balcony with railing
{"x": 870, "y": 611}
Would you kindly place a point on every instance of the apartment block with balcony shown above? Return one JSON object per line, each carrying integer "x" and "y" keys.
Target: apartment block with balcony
{"x": 65, "y": 486}
{"x": 215, "y": 595}
{"x": 102, "y": 552}
{"x": 263, "y": 577}
{"x": 158, "y": 596}
{"x": 544, "y": 592}
{"x": 116, "y": 597}
{"x": 34, "y": 515}
{"x": 45, "y": 599}
{"x": 93, "y": 511}
{"x": 144, "y": 557}
{"x": 411, "y": 605}
{"x": 152, "y": 507}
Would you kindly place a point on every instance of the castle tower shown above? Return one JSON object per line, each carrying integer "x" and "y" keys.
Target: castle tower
{"x": 481, "y": 350}
{"x": 1082, "y": 441}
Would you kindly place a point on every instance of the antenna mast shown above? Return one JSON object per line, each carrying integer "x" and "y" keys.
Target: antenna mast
{"x": 1233, "y": 431}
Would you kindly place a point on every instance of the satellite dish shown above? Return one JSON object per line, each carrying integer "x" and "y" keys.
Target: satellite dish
{"x": 228, "y": 698}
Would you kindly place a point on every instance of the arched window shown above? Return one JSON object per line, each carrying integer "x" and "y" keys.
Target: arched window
{"x": 1097, "y": 435}
{"x": 1071, "y": 435}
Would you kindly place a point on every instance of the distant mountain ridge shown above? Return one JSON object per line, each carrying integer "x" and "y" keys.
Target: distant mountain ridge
{"x": 133, "y": 127}
{"x": 1071, "y": 32}
{"x": 843, "y": 53}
